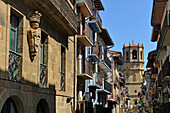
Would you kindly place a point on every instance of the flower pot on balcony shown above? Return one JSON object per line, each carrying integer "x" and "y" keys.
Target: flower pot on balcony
{"x": 92, "y": 18}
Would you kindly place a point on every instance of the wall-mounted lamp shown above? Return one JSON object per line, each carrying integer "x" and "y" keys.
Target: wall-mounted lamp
{"x": 69, "y": 99}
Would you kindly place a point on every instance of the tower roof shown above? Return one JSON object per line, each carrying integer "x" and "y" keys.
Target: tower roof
{"x": 132, "y": 45}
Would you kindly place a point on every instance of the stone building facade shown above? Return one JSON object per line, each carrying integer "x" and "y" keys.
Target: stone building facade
{"x": 133, "y": 67}
{"x": 37, "y": 56}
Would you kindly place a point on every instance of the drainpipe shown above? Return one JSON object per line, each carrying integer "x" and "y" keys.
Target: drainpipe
{"x": 75, "y": 66}
{"x": 75, "y": 73}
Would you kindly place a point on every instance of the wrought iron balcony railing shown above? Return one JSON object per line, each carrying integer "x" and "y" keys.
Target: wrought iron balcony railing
{"x": 67, "y": 11}
{"x": 14, "y": 66}
{"x": 86, "y": 67}
{"x": 159, "y": 78}
{"x": 97, "y": 50}
{"x": 98, "y": 19}
{"x": 107, "y": 61}
{"x": 88, "y": 32}
{"x": 154, "y": 70}
{"x": 166, "y": 25}
{"x": 43, "y": 75}
{"x": 99, "y": 80}
{"x": 62, "y": 81}
{"x": 107, "y": 86}
{"x": 166, "y": 68}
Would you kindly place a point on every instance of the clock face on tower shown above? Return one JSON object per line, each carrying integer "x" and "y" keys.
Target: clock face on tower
{"x": 134, "y": 66}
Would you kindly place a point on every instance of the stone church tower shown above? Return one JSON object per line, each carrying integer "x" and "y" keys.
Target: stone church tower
{"x": 133, "y": 70}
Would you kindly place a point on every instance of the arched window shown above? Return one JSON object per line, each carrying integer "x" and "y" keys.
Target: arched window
{"x": 9, "y": 106}
{"x": 42, "y": 107}
{"x": 127, "y": 55}
{"x": 134, "y": 54}
{"x": 141, "y": 53}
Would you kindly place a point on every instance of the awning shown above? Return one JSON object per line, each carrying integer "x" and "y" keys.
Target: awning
{"x": 94, "y": 57}
{"x": 98, "y": 4}
{"x": 93, "y": 87}
{"x": 104, "y": 66}
{"x": 84, "y": 76}
{"x": 104, "y": 91}
{"x": 106, "y": 37}
{"x": 84, "y": 40}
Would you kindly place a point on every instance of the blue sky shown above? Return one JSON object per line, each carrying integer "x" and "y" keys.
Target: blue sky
{"x": 128, "y": 20}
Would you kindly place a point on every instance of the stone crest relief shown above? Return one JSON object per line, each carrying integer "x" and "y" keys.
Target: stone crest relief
{"x": 34, "y": 34}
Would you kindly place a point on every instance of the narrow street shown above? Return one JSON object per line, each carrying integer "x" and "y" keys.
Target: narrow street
{"x": 84, "y": 56}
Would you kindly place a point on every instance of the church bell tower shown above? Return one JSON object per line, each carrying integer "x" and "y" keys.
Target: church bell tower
{"x": 133, "y": 70}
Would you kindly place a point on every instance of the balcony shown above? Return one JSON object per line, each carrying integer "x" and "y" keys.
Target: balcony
{"x": 106, "y": 64}
{"x": 166, "y": 70}
{"x": 99, "y": 81}
{"x": 165, "y": 34}
{"x": 85, "y": 7}
{"x": 107, "y": 86}
{"x": 96, "y": 53}
{"x": 14, "y": 66}
{"x": 43, "y": 75}
{"x": 59, "y": 12}
{"x": 98, "y": 19}
{"x": 106, "y": 37}
{"x": 95, "y": 23}
{"x": 86, "y": 70}
{"x": 86, "y": 38}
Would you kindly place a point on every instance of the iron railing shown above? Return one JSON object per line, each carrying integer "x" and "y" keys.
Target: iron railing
{"x": 107, "y": 86}
{"x": 97, "y": 50}
{"x": 159, "y": 78}
{"x": 14, "y": 66}
{"x": 87, "y": 67}
{"x": 166, "y": 24}
{"x": 154, "y": 70}
{"x": 62, "y": 81}
{"x": 43, "y": 75}
{"x": 98, "y": 19}
{"x": 88, "y": 32}
{"x": 99, "y": 80}
{"x": 166, "y": 68}
{"x": 107, "y": 61}
{"x": 66, "y": 10}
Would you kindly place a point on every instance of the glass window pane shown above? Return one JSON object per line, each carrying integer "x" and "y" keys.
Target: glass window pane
{"x": 14, "y": 33}
{"x": 41, "y": 54}
{"x": 12, "y": 41}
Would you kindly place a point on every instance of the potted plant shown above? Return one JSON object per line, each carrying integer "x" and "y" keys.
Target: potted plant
{"x": 83, "y": 32}
{"x": 92, "y": 18}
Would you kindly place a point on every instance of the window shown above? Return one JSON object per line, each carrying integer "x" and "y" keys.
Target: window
{"x": 14, "y": 58}
{"x": 135, "y": 102}
{"x": 141, "y": 54}
{"x": 14, "y": 28}
{"x": 127, "y": 55}
{"x": 62, "y": 78}
{"x": 134, "y": 54}
{"x": 43, "y": 67}
{"x": 42, "y": 49}
{"x": 134, "y": 77}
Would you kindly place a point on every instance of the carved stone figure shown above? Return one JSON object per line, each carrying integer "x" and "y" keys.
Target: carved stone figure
{"x": 34, "y": 34}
